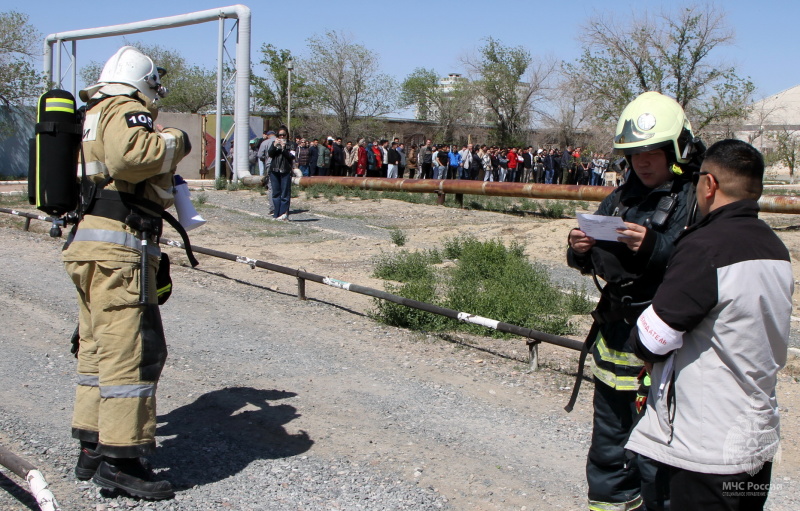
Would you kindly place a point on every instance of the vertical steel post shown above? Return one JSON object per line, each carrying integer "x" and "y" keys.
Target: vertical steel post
{"x": 533, "y": 354}
{"x": 58, "y": 65}
{"x": 75, "y": 68}
{"x": 289, "y": 67}
{"x": 218, "y": 127}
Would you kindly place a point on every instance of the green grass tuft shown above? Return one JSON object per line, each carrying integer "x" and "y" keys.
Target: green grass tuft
{"x": 488, "y": 279}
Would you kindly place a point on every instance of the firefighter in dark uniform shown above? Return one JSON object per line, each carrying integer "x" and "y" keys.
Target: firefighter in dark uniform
{"x": 128, "y": 163}
{"x": 655, "y": 136}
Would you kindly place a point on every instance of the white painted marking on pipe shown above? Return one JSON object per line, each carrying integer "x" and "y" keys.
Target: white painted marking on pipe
{"x": 44, "y": 497}
{"x": 478, "y": 320}
{"x": 246, "y": 260}
{"x": 336, "y": 283}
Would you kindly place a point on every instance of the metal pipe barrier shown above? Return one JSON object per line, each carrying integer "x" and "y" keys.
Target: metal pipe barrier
{"x": 38, "y": 486}
{"x": 533, "y": 337}
{"x": 769, "y": 204}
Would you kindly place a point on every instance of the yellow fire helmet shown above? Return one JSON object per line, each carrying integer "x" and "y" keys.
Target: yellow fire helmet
{"x": 652, "y": 121}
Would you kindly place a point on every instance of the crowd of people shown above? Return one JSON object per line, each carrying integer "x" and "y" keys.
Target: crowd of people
{"x": 395, "y": 159}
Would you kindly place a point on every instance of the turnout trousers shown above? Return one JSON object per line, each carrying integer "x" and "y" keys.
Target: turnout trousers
{"x": 121, "y": 355}
{"x": 621, "y": 480}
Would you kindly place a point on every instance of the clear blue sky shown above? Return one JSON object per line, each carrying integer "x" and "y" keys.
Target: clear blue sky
{"x": 414, "y": 33}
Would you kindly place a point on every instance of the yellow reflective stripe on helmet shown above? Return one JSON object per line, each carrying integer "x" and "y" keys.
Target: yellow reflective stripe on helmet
{"x": 621, "y": 358}
{"x": 615, "y": 506}
{"x": 59, "y": 105}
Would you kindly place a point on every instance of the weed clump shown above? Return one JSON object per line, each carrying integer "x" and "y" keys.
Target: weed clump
{"x": 486, "y": 278}
{"x": 399, "y": 238}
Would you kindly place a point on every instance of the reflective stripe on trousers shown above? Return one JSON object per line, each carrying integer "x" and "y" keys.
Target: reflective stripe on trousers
{"x": 616, "y": 506}
{"x": 117, "y": 391}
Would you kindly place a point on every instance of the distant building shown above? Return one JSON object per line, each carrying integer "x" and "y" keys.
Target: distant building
{"x": 479, "y": 110}
{"x": 449, "y": 82}
{"x": 777, "y": 112}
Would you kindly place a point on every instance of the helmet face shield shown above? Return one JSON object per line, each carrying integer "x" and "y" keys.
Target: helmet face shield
{"x": 160, "y": 89}
{"x": 630, "y": 134}
{"x": 154, "y": 82}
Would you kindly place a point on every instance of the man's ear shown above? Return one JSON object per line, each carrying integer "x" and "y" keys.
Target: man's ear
{"x": 710, "y": 187}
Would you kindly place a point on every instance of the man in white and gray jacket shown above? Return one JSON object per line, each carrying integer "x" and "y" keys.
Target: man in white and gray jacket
{"x": 714, "y": 339}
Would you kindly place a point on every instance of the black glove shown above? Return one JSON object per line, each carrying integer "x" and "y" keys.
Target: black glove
{"x": 76, "y": 341}
{"x": 187, "y": 144}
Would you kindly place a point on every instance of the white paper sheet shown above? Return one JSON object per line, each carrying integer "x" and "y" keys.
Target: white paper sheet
{"x": 601, "y": 227}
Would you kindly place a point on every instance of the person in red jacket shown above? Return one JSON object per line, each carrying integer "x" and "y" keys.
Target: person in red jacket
{"x": 376, "y": 150}
{"x": 513, "y": 163}
{"x": 361, "y": 164}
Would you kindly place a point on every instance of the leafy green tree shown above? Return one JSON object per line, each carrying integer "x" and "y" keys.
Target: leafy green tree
{"x": 347, "y": 82}
{"x": 669, "y": 53}
{"x": 511, "y": 86}
{"x": 192, "y": 89}
{"x": 271, "y": 90}
{"x": 448, "y": 106}
{"x": 20, "y": 82}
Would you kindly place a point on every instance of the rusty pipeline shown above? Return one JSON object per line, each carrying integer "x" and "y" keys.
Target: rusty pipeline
{"x": 461, "y": 186}
{"x": 768, "y": 203}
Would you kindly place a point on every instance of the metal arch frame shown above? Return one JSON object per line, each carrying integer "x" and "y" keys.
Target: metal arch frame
{"x": 242, "y": 90}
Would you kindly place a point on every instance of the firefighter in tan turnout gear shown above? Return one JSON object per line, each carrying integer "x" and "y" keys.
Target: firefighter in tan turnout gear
{"x": 128, "y": 165}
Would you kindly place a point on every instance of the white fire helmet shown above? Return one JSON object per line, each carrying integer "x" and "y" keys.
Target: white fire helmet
{"x": 130, "y": 66}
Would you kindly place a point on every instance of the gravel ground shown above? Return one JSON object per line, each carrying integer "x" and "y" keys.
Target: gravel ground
{"x": 268, "y": 402}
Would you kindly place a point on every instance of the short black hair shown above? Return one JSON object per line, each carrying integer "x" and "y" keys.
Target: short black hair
{"x": 741, "y": 166}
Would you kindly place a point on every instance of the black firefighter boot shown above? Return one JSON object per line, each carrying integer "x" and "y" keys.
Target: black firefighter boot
{"x": 89, "y": 459}
{"x": 129, "y": 476}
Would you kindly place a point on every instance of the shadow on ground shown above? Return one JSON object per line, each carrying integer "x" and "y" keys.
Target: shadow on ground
{"x": 222, "y": 432}
{"x": 15, "y": 489}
